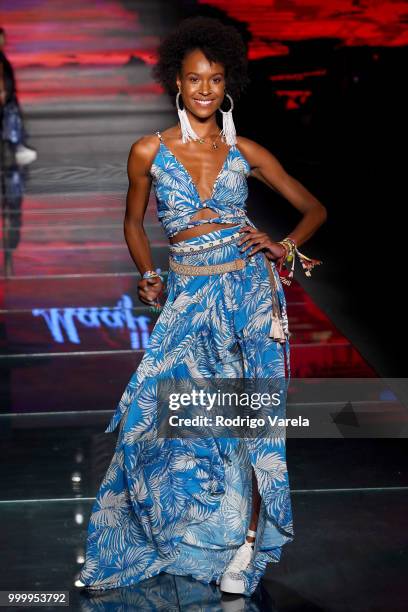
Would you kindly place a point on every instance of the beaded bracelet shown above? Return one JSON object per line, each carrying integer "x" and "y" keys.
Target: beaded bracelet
{"x": 152, "y": 274}
{"x": 156, "y": 306}
{"x": 291, "y": 250}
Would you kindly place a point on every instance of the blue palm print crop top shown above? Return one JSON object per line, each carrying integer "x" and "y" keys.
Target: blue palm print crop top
{"x": 178, "y": 199}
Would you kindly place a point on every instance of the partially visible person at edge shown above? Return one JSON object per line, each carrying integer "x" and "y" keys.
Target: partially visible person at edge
{"x": 9, "y": 106}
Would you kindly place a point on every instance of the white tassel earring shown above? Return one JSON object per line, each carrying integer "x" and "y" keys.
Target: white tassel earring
{"x": 187, "y": 132}
{"x": 228, "y": 127}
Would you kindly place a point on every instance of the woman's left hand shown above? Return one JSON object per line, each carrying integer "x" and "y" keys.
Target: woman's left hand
{"x": 273, "y": 250}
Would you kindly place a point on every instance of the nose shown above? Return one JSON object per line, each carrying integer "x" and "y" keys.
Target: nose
{"x": 205, "y": 89}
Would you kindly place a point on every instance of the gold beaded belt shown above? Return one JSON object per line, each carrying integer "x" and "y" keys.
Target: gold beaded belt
{"x": 228, "y": 266}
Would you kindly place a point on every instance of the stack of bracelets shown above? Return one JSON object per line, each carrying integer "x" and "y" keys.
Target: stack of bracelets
{"x": 290, "y": 250}
{"x": 156, "y": 306}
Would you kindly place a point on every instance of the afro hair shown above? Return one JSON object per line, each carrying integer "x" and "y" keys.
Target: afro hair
{"x": 220, "y": 43}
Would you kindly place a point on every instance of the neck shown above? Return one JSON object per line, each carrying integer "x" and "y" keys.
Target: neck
{"x": 204, "y": 128}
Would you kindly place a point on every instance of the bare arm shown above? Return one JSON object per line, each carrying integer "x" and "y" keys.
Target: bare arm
{"x": 137, "y": 199}
{"x": 266, "y": 167}
{"x": 140, "y": 158}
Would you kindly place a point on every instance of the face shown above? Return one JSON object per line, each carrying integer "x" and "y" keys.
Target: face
{"x": 201, "y": 80}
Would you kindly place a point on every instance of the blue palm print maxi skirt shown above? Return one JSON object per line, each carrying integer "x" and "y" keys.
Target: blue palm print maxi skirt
{"x": 183, "y": 506}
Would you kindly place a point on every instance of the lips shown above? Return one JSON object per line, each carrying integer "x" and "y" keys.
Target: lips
{"x": 203, "y": 102}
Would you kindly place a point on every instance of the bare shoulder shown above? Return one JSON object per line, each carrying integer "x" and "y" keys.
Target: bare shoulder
{"x": 142, "y": 153}
{"x": 264, "y": 165}
{"x": 145, "y": 147}
{"x": 246, "y": 143}
{"x": 254, "y": 152}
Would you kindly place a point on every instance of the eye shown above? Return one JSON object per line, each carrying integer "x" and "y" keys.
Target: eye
{"x": 217, "y": 79}
{"x": 193, "y": 79}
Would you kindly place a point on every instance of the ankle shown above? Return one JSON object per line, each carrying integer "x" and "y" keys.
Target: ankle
{"x": 251, "y": 536}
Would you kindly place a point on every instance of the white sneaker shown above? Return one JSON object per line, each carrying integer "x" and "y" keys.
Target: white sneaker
{"x": 232, "y": 580}
{"x": 25, "y": 155}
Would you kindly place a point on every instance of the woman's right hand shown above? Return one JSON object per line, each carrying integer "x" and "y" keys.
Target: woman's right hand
{"x": 149, "y": 289}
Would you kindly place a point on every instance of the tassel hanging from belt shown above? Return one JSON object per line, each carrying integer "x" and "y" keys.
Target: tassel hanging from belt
{"x": 276, "y": 332}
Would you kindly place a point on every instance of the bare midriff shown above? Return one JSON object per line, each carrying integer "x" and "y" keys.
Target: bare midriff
{"x": 198, "y": 230}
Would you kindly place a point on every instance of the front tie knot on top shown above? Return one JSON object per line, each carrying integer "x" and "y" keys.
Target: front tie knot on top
{"x": 178, "y": 199}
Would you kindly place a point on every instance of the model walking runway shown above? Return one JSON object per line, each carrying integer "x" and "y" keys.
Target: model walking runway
{"x": 217, "y": 509}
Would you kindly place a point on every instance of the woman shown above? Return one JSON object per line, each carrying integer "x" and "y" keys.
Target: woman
{"x": 11, "y": 118}
{"x": 215, "y": 508}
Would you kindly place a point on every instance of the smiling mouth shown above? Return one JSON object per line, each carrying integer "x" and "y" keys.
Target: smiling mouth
{"x": 203, "y": 102}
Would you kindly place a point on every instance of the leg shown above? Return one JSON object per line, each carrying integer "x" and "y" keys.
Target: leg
{"x": 231, "y": 581}
{"x": 256, "y": 503}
